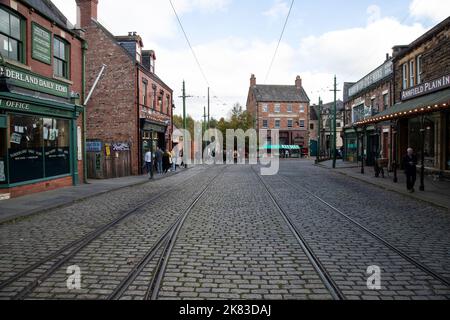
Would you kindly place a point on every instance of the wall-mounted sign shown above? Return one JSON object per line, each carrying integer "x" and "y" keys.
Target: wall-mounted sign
{"x": 27, "y": 107}
{"x": 380, "y": 73}
{"x": 426, "y": 87}
{"x": 121, "y": 147}
{"x": 93, "y": 146}
{"x": 41, "y": 43}
{"x": 28, "y": 80}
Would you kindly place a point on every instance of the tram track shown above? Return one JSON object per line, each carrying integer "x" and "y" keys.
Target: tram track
{"x": 324, "y": 275}
{"x": 67, "y": 252}
{"x": 374, "y": 235}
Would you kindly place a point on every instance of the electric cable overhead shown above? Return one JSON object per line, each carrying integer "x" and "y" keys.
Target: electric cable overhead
{"x": 279, "y": 41}
{"x": 189, "y": 43}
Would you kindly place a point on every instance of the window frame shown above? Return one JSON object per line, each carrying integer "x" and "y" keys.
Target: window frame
{"x": 290, "y": 123}
{"x": 21, "y": 43}
{"x": 265, "y": 108}
{"x": 277, "y": 121}
{"x": 405, "y": 76}
{"x": 145, "y": 91}
{"x": 67, "y": 53}
{"x": 411, "y": 73}
{"x": 277, "y": 108}
{"x": 266, "y": 122}
{"x": 419, "y": 70}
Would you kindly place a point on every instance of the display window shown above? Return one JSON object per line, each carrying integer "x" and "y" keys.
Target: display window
{"x": 37, "y": 148}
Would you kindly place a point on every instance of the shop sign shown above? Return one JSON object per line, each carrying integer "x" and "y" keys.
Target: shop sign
{"x": 41, "y": 44}
{"x": 426, "y": 87}
{"x": 93, "y": 146}
{"x": 34, "y": 82}
{"x": 121, "y": 147}
{"x": 379, "y": 74}
{"x": 26, "y": 107}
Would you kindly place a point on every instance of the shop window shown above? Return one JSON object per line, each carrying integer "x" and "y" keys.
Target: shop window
{"x": 448, "y": 142}
{"x": 61, "y": 54}
{"x": 11, "y": 42}
{"x": 3, "y": 169}
{"x": 26, "y": 159}
{"x": 56, "y": 134}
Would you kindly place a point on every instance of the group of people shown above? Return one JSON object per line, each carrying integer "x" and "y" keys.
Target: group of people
{"x": 162, "y": 161}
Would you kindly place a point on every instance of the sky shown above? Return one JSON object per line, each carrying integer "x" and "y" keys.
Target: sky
{"x": 233, "y": 39}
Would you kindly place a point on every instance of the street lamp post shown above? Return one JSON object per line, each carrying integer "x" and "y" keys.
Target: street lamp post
{"x": 394, "y": 150}
{"x": 422, "y": 166}
{"x": 319, "y": 140}
{"x": 363, "y": 150}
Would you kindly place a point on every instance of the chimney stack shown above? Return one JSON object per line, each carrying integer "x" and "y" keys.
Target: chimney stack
{"x": 253, "y": 81}
{"x": 86, "y": 11}
{"x": 298, "y": 82}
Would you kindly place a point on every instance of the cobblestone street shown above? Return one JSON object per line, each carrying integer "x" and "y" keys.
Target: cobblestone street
{"x": 225, "y": 232}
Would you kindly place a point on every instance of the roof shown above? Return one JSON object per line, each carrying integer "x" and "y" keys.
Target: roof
{"x": 279, "y": 93}
{"x": 424, "y": 104}
{"x": 313, "y": 113}
{"x": 330, "y": 106}
{"x": 47, "y": 8}
{"x": 425, "y": 37}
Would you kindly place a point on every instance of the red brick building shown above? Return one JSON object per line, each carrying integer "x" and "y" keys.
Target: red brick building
{"x": 131, "y": 107}
{"x": 41, "y": 89}
{"x": 281, "y": 107}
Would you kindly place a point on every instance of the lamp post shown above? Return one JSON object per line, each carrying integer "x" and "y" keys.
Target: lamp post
{"x": 422, "y": 166}
{"x": 394, "y": 150}
{"x": 151, "y": 151}
{"x": 319, "y": 142}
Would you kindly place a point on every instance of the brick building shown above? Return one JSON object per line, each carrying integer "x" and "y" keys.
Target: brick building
{"x": 41, "y": 86}
{"x": 362, "y": 100}
{"x": 420, "y": 117}
{"x": 281, "y": 107}
{"x": 131, "y": 107}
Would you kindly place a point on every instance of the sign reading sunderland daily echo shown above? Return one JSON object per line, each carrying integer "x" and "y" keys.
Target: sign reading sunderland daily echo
{"x": 32, "y": 81}
{"x": 426, "y": 87}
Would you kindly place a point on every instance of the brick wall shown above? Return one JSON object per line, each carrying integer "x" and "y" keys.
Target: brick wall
{"x": 38, "y": 187}
{"x": 112, "y": 113}
{"x": 435, "y": 59}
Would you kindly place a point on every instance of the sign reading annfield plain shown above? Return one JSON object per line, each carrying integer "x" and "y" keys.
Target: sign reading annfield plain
{"x": 41, "y": 44}
{"x": 379, "y": 74}
{"x": 426, "y": 87}
{"x": 34, "y": 82}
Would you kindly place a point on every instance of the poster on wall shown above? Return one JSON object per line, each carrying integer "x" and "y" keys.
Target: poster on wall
{"x": 16, "y": 138}
{"x": 2, "y": 171}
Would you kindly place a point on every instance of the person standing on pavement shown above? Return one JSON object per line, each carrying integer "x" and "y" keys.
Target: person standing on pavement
{"x": 174, "y": 159}
{"x": 148, "y": 162}
{"x": 166, "y": 161}
{"x": 159, "y": 160}
{"x": 410, "y": 166}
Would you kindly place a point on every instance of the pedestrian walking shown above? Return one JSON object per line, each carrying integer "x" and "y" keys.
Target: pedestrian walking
{"x": 159, "y": 160}
{"x": 174, "y": 159}
{"x": 410, "y": 166}
{"x": 166, "y": 161}
{"x": 148, "y": 163}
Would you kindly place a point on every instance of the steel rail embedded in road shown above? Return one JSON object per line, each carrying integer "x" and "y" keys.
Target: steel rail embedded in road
{"x": 77, "y": 245}
{"x": 166, "y": 241}
{"x": 324, "y": 275}
{"x": 373, "y": 234}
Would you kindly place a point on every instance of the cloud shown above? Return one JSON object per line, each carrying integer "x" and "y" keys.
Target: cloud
{"x": 374, "y": 13}
{"x": 352, "y": 53}
{"x": 436, "y": 10}
{"x": 279, "y": 9}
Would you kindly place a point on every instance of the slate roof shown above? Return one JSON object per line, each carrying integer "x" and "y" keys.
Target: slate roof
{"x": 279, "y": 93}
{"x": 47, "y": 8}
{"x": 313, "y": 114}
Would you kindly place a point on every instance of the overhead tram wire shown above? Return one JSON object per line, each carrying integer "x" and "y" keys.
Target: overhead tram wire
{"x": 279, "y": 41}
{"x": 189, "y": 43}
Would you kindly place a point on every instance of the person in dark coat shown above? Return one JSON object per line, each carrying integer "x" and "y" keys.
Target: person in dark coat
{"x": 159, "y": 160}
{"x": 166, "y": 161}
{"x": 410, "y": 166}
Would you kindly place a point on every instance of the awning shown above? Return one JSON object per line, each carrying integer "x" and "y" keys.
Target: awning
{"x": 426, "y": 104}
{"x": 281, "y": 147}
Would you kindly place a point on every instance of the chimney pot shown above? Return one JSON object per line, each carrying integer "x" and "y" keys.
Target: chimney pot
{"x": 253, "y": 81}
{"x": 298, "y": 82}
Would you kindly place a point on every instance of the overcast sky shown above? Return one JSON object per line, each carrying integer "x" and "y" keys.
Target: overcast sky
{"x": 235, "y": 38}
